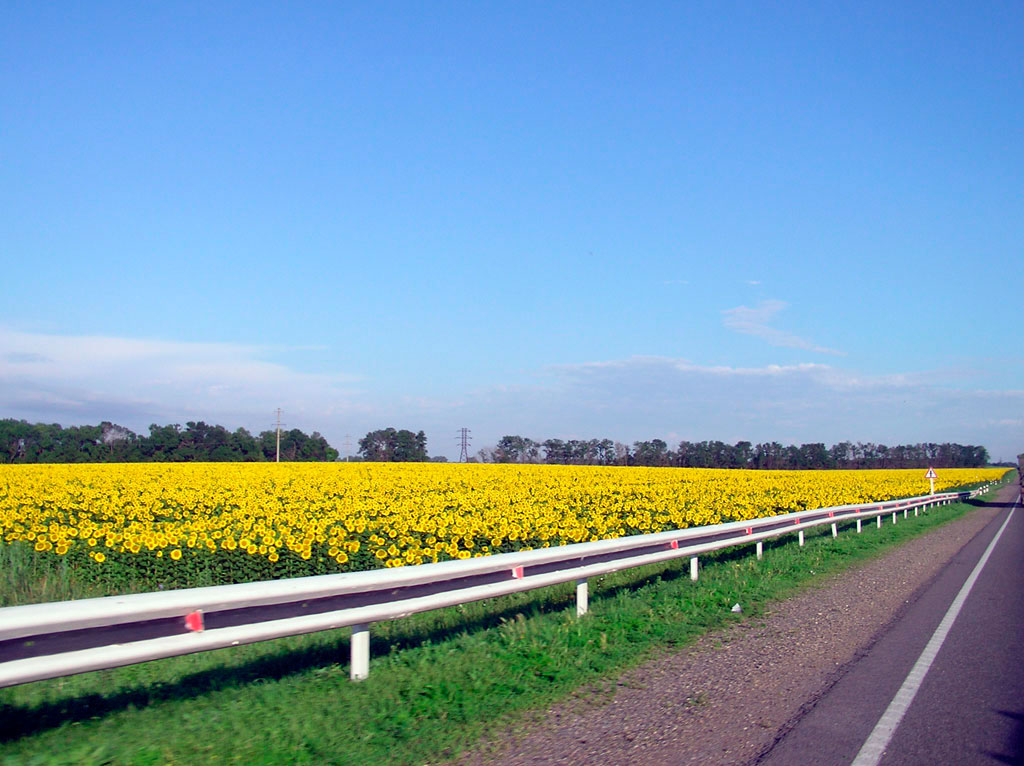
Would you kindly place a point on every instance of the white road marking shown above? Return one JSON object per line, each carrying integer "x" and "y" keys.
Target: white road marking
{"x": 871, "y": 753}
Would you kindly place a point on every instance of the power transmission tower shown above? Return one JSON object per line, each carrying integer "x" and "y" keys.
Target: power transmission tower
{"x": 464, "y": 439}
{"x": 277, "y": 459}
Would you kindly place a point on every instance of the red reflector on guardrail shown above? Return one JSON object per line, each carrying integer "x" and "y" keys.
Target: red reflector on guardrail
{"x": 674, "y": 545}
{"x": 831, "y": 515}
{"x": 750, "y": 530}
{"x": 194, "y": 621}
{"x": 518, "y": 573}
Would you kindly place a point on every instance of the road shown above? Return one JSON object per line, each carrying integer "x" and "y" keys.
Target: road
{"x": 969, "y": 707}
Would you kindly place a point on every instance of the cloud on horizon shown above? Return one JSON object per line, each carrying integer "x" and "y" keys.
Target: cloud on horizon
{"x": 647, "y": 397}
{"x": 87, "y": 379}
{"x": 73, "y": 379}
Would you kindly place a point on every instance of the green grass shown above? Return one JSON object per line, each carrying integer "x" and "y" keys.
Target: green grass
{"x": 437, "y": 681}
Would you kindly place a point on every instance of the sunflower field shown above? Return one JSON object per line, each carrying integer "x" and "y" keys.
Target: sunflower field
{"x": 187, "y": 524}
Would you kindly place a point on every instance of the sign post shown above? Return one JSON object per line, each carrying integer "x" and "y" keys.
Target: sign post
{"x": 931, "y": 478}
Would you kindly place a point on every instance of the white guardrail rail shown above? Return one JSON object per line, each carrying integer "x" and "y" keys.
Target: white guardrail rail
{"x": 42, "y": 641}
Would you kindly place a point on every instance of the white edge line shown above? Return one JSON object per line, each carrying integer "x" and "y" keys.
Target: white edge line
{"x": 871, "y": 752}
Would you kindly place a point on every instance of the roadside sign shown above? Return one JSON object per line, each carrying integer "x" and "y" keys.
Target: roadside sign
{"x": 931, "y": 474}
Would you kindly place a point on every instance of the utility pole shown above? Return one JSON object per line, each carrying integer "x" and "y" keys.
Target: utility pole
{"x": 278, "y": 458}
{"x": 464, "y": 439}
{"x": 348, "y": 447}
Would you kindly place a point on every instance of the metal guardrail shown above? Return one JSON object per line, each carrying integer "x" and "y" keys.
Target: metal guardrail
{"x": 41, "y": 641}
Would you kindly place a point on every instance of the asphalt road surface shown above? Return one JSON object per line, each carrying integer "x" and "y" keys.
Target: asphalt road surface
{"x": 969, "y": 708}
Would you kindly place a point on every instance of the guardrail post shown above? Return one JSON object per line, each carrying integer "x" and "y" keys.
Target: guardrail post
{"x": 760, "y": 549}
{"x": 858, "y": 526}
{"x": 800, "y": 534}
{"x": 904, "y": 513}
{"x": 835, "y": 532}
{"x": 359, "y": 667}
{"x": 894, "y": 517}
{"x": 879, "y": 519}
{"x": 693, "y": 568}
{"x": 915, "y": 510}
{"x": 582, "y": 597}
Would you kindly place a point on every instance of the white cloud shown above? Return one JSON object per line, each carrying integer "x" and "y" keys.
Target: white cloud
{"x": 136, "y": 381}
{"x": 757, "y": 322}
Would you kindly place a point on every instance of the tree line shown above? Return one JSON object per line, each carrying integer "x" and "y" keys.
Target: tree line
{"x": 742, "y": 454}
{"x": 23, "y": 442}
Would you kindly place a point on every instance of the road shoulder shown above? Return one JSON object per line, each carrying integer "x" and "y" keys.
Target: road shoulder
{"x": 733, "y": 694}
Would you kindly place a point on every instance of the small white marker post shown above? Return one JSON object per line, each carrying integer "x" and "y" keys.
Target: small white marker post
{"x": 359, "y": 667}
{"x": 582, "y": 597}
{"x": 931, "y": 478}
{"x": 694, "y": 571}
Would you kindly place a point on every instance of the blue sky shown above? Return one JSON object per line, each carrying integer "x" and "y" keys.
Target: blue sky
{"x": 630, "y": 220}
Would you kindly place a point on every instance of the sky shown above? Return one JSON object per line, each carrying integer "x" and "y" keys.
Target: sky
{"x": 792, "y": 222}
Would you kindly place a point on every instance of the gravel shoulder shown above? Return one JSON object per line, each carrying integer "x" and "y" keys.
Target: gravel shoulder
{"x": 730, "y": 696}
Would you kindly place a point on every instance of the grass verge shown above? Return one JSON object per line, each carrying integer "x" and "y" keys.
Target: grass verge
{"x": 437, "y": 680}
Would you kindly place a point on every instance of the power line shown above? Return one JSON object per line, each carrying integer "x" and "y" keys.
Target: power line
{"x": 277, "y": 459}
{"x": 464, "y": 439}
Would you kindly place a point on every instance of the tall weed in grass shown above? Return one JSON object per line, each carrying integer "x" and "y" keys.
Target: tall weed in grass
{"x": 29, "y": 578}
{"x": 26, "y": 577}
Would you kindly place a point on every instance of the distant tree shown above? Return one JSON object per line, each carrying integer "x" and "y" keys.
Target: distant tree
{"x": 508, "y": 450}
{"x": 531, "y": 450}
{"x": 622, "y": 453}
{"x": 814, "y": 455}
{"x": 410, "y": 447}
{"x": 605, "y": 450}
{"x": 13, "y": 437}
{"x": 554, "y": 451}
{"x": 162, "y": 442}
{"x": 244, "y": 446}
{"x": 652, "y": 453}
{"x": 743, "y": 453}
{"x": 515, "y": 449}
{"x": 387, "y": 445}
{"x": 376, "y": 445}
